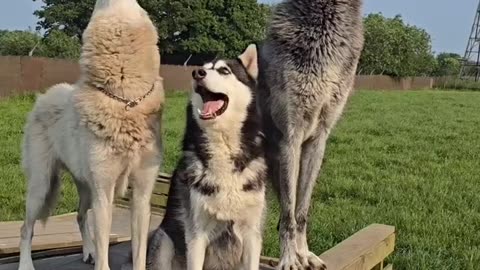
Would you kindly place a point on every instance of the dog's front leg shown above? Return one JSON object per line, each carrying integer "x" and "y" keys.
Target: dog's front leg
{"x": 252, "y": 249}
{"x": 143, "y": 182}
{"x": 102, "y": 213}
{"x": 196, "y": 248}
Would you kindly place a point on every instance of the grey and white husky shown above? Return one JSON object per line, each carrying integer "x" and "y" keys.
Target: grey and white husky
{"x": 216, "y": 202}
{"x": 307, "y": 68}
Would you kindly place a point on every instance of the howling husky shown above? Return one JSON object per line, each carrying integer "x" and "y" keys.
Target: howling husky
{"x": 216, "y": 202}
{"x": 307, "y": 68}
{"x": 104, "y": 130}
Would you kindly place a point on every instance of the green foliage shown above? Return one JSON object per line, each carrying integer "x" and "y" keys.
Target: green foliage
{"x": 219, "y": 26}
{"x": 71, "y": 16}
{"x": 457, "y": 84}
{"x": 448, "y": 64}
{"x": 395, "y": 48}
{"x": 184, "y": 26}
{"x": 17, "y": 42}
{"x": 56, "y": 44}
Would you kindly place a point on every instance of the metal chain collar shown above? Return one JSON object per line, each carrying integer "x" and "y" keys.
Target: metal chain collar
{"x": 128, "y": 103}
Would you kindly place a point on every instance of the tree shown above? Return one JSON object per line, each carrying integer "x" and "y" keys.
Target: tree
{"x": 184, "y": 26}
{"x": 57, "y": 44}
{"x": 18, "y": 42}
{"x": 70, "y": 16}
{"x": 448, "y": 64}
{"x": 213, "y": 26}
{"x": 395, "y": 48}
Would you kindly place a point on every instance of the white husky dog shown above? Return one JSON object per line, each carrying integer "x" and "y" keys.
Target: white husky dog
{"x": 104, "y": 130}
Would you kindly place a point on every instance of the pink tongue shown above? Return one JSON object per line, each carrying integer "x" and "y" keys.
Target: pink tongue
{"x": 211, "y": 107}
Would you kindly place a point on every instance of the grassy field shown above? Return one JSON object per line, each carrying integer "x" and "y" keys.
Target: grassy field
{"x": 408, "y": 159}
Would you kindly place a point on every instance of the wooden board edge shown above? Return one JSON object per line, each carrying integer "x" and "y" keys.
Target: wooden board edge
{"x": 366, "y": 253}
{"x": 388, "y": 267}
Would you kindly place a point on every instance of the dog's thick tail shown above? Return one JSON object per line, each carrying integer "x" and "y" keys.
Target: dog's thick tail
{"x": 51, "y": 198}
{"x": 39, "y": 160}
{"x": 43, "y": 181}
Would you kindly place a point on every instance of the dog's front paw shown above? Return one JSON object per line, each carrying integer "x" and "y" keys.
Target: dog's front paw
{"x": 290, "y": 262}
{"x": 26, "y": 265}
{"x": 313, "y": 262}
{"x": 88, "y": 256}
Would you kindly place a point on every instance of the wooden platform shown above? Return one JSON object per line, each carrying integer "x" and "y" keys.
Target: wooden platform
{"x": 62, "y": 232}
{"x": 58, "y": 245}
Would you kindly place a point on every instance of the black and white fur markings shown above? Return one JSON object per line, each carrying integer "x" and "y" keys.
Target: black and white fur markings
{"x": 216, "y": 202}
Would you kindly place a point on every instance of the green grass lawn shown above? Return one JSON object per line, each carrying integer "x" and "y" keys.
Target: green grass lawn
{"x": 409, "y": 159}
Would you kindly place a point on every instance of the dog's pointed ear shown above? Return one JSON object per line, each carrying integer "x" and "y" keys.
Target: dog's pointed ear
{"x": 249, "y": 59}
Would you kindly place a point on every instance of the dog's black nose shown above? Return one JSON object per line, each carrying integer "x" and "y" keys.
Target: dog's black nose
{"x": 199, "y": 74}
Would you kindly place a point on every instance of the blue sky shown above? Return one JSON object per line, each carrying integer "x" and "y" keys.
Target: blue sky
{"x": 447, "y": 21}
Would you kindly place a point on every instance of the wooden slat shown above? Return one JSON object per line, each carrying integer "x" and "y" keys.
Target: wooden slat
{"x": 388, "y": 267}
{"x": 43, "y": 242}
{"x": 62, "y": 231}
{"x": 44, "y": 254}
{"x": 363, "y": 250}
{"x": 159, "y": 196}
{"x": 164, "y": 176}
{"x": 161, "y": 188}
{"x": 379, "y": 266}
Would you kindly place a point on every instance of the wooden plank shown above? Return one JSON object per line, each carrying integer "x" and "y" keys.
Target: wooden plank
{"x": 164, "y": 176}
{"x": 63, "y": 232}
{"x": 388, "y": 267}
{"x": 161, "y": 188}
{"x": 379, "y": 266}
{"x": 42, "y": 242}
{"x": 363, "y": 250}
{"x": 43, "y": 254}
{"x": 156, "y": 201}
{"x": 65, "y": 261}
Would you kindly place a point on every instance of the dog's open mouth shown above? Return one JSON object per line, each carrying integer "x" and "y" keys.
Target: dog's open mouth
{"x": 214, "y": 104}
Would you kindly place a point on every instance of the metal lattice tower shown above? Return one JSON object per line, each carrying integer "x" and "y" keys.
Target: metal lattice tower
{"x": 471, "y": 61}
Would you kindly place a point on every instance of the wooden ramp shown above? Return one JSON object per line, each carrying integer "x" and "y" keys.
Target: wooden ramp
{"x": 58, "y": 245}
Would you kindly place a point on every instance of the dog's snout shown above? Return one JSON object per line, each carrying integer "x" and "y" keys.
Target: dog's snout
{"x": 199, "y": 74}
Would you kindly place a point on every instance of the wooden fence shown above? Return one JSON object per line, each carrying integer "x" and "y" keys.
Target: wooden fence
{"x": 23, "y": 74}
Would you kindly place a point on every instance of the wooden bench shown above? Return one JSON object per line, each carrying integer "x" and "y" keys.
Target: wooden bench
{"x": 365, "y": 250}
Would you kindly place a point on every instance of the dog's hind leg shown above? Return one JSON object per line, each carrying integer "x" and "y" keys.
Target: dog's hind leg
{"x": 311, "y": 161}
{"x": 143, "y": 180}
{"x": 82, "y": 219}
{"x": 43, "y": 185}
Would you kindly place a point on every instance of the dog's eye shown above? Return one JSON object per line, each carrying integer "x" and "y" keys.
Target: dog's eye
{"x": 223, "y": 71}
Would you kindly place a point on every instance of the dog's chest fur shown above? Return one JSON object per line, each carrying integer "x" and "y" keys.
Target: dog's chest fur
{"x": 226, "y": 175}
{"x": 223, "y": 190}
{"x": 123, "y": 131}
